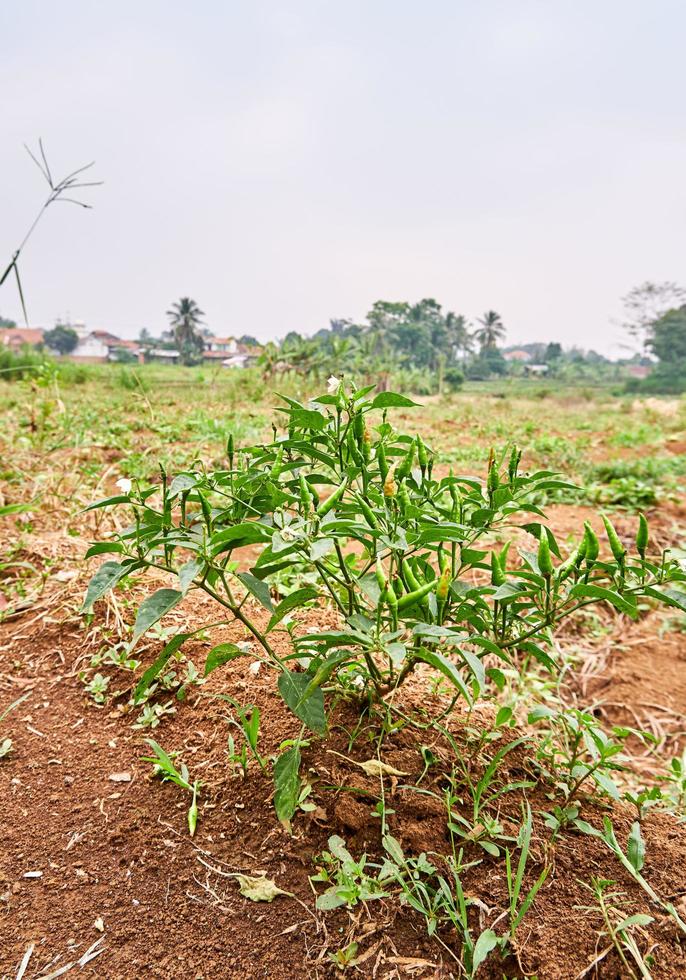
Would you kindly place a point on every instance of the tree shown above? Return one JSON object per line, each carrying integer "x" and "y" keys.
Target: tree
{"x": 5, "y": 323}
{"x": 645, "y": 304}
{"x": 668, "y": 341}
{"x": 492, "y": 330}
{"x": 553, "y": 352}
{"x": 61, "y": 338}
{"x": 184, "y": 317}
{"x": 248, "y": 340}
{"x": 145, "y": 337}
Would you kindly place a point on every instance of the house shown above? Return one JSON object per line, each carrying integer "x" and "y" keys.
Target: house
{"x": 223, "y": 345}
{"x": 99, "y": 346}
{"x": 163, "y": 355}
{"x": 536, "y": 370}
{"x": 639, "y": 371}
{"x": 519, "y": 356}
{"x": 17, "y": 337}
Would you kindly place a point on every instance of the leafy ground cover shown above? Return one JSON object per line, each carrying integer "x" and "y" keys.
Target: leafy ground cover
{"x": 491, "y": 815}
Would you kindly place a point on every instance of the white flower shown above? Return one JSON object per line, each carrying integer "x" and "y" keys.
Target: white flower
{"x": 124, "y": 484}
{"x": 333, "y": 384}
{"x": 254, "y": 668}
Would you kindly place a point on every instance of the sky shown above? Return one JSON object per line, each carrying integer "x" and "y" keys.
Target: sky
{"x": 292, "y": 161}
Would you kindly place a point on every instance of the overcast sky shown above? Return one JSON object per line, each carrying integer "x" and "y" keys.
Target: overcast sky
{"x": 288, "y": 162}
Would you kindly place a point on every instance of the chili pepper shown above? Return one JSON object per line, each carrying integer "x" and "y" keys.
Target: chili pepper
{"x": 367, "y": 512}
{"x": 493, "y": 479}
{"x": 206, "y": 511}
{"x": 592, "y": 543}
{"x": 305, "y": 496}
{"x": 278, "y": 464}
{"x": 497, "y": 573}
{"x": 381, "y": 460}
{"x": 410, "y": 577}
{"x": 332, "y": 499}
{"x": 389, "y": 488}
{"x": 405, "y": 467}
{"x": 545, "y": 562}
{"x": 422, "y": 455}
{"x": 616, "y": 547}
{"x": 230, "y": 450}
{"x": 416, "y": 596}
{"x": 404, "y": 498}
{"x": 380, "y": 575}
{"x": 443, "y": 586}
{"x": 642, "y": 536}
{"x": 513, "y": 465}
{"x": 358, "y": 427}
{"x": 391, "y": 599}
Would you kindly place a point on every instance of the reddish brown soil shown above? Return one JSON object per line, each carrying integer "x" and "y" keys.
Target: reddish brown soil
{"x": 117, "y": 855}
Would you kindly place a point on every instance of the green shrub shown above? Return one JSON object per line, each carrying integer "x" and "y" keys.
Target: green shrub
{"x": 405, "y": 558}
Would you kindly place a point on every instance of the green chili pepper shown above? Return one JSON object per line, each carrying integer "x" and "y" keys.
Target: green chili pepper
{"x": 206, "y": 511}
{"x": 415, "y": 596}
{"x": 642, "y": 536}
{"x": 367, "y": 512}
{"x": 404, "y": 498}
{"x": 513, "y": 465}
{"x": 332, "y": 499}
{"x": 545, "y": 562}
{"x": 422, "y": 455}
{"x": 381, "y": 460}
{"x": 497, "y": 573}
{"x": 405, "y": 467}
{"x": 616, "y": 547}
{"x": 230, "y": 450}
{"x": 592, "y": 543}
{"x": 305, "y": 496}
{"x": 278, "y": 464}
{"x": 410, "y": 577}
{"x": 380, "y": 575}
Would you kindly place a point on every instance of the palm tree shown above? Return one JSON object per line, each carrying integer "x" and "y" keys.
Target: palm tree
{"x": 184, "y": 317}
{"x": 491, "y": 331}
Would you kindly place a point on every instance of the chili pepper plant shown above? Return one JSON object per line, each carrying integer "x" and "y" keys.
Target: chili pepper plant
{"x": 407, "y": 558}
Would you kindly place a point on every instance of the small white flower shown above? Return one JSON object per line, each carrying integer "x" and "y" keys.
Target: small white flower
{"x": 333, "y": 384}
{"x": 124, "y": 484}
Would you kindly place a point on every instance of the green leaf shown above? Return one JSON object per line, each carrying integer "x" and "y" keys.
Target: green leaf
{"x": 8, "y": 509}
{"x": 309, "y": 708}
{"x": 258, "y": 588}
{"x": 188, "y": 572}
{"x": 104, "y": 548}
{"x": 222, "y": 654}
{"x": 120, "y": 498}
{"x": 445, "y": 667}
{"x": 104, "y": 579}
{"x": 154, "y": 669}
{"x": 321, "y": 547}
{"x": 292, "y": 601}
{"x": 636, "y": 849}
{"x": 153, "y": 609}
{"x": 484, "y": 945}
{"x": 238, "y": 536}
{"x": 287, "y": 784}
{"x": 671, "y": 597}
{"x": 389, "y": 399}
{"x": 184, "y": 481}
{"x": 608, "y": 595}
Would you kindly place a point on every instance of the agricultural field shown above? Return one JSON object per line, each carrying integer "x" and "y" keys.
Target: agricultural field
{"x": 277, "y": 698}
